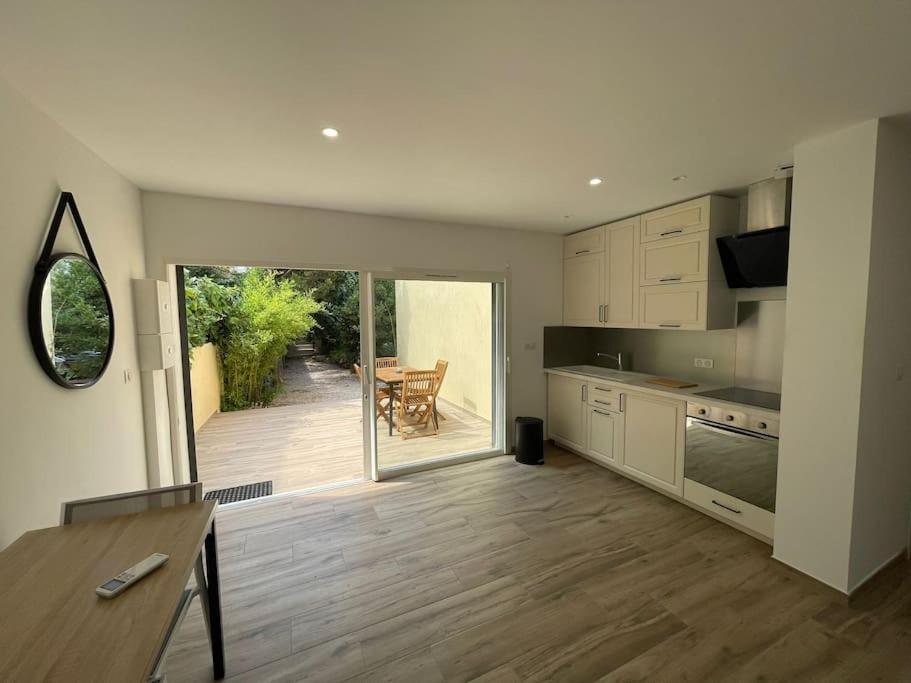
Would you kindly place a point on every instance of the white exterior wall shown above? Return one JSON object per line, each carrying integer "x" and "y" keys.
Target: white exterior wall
{"x": 449, "y": 321}
{"x": 60, "y": 444}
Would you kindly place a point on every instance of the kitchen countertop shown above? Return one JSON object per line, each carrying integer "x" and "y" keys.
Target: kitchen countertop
{"x": 637, "y": 381}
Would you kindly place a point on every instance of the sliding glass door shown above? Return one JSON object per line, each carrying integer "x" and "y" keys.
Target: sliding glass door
{"x": 433, "y": 349}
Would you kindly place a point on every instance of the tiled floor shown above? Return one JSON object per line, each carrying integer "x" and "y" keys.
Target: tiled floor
{"x": 495, "y": 571}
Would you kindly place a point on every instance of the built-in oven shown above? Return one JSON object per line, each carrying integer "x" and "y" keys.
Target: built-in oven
{"x": 733, "y": 451}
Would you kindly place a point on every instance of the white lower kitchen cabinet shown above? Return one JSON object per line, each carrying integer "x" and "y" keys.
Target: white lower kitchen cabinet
{"x": 605, "y": 436}
{"x": 566, "y": 411}
{"x": 654, "y": 440}
{"x": 738, "y": 512}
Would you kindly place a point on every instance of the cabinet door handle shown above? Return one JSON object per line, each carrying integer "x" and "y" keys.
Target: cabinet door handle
{"x": 669, "y": 325}
{"x": 583, "y": 251}
{"x": 670, "y": 278}
{"x": 670, "y": 232}
{"x": 600, "y": 314}
{"x": 729, "y": 509}
{"x": 584, "y": 392}
{"x": 621, "y": 402}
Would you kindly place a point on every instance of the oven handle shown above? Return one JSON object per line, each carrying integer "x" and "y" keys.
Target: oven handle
{"x": 727, "y": 431}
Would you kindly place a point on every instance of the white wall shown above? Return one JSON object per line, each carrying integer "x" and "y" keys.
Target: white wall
{"x": 844, "y": 472}
{"x": 183, "y": 229}
{"x": 828, "y": 270}
{"x": 60, "y": 444}
{"x": 449, "y": 321}
{"x": 882, "y": 489}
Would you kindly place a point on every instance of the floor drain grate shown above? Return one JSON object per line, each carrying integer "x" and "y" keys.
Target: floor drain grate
{"x": 238, "y": 493}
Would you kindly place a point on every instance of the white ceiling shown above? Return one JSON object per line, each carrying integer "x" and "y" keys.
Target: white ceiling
{"x": 494, "y": 112}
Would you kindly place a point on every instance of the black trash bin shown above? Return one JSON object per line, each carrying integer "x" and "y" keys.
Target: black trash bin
{"x": 530, "y": 440}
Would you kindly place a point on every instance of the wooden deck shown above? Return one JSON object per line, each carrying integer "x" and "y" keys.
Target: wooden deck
{"x": 301, "y": 446}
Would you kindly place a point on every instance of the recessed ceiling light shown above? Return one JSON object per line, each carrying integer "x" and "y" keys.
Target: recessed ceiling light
{"x": 330, "y": 132}
{"x": 677, "y": 178}
{"x": 594, "y": 182}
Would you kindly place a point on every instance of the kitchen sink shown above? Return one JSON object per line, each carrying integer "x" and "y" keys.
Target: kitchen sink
{"x": 604, "y": 373}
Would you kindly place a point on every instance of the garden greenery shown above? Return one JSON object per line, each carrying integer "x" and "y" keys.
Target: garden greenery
{"x": 337, "y": 334}
{"x": 252, "y": 322}
{"x": 80, "y": 319}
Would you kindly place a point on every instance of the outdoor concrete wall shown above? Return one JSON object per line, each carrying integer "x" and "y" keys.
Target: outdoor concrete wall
{"x": 449, "y": 321}
{"x": 205, "y": 383}
{"x": 59, "y": 444}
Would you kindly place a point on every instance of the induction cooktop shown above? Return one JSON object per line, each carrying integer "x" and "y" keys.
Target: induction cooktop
{"x": 750, "y": 397}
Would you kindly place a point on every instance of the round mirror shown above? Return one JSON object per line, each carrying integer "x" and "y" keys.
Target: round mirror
{"x": 71, "y": 321}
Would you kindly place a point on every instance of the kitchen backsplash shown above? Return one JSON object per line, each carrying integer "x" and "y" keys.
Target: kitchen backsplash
{"x": 661, "y": 352}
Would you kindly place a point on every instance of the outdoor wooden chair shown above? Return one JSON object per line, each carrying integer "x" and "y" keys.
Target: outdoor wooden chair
{"x": 416, "y": 401}
{"x": 442, "y": 365}
{"x": 381, "y": 395}
{"x": 387, "y": 362}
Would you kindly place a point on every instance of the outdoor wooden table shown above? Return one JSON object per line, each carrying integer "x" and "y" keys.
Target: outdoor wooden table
{"x": 54, "y": 627}
{"x": 392, "y": 377}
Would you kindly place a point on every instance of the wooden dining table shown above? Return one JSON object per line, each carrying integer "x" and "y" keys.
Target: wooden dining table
{"x": 55, "y": 628}
{"x": 392, "y": 378}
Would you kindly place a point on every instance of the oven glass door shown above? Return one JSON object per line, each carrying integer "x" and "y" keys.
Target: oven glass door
{"x": 739, "y": 463}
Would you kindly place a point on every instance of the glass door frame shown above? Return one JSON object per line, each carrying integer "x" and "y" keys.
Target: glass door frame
{"x": 499, "y": 366}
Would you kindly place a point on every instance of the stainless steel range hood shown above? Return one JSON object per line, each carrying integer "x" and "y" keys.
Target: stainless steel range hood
{"x": 759, "y": 256}
{"x": 769, "y": 204}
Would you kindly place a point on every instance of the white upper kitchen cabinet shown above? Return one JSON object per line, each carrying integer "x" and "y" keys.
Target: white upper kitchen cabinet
{"x": 660, "y": 270}
{"x": 566, "y": 411}
{"x": 583, "y": 283}
{"x": 653, "y": 443}
{"x": 679, "y": 219}
{"x": 621, "y": 277}
{"x": 678, "y": 259}
{"x": 681, "y": 279}
{"x": 600, "y": 276}
{"x": 675, "y": 307}
{"x": 585, "y": 242}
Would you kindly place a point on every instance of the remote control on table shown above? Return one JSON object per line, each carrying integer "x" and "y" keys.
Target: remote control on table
{"x": 114, "y": 587}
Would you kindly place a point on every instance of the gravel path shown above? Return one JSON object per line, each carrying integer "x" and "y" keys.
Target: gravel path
{"x": 312, "y": 381}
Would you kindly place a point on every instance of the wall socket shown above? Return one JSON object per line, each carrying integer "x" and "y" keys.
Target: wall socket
{"x": 703, "y": 363}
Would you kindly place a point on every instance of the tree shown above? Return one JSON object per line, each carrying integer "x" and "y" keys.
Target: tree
{"x": 80, "y": 319}
{"x": 208, "y": 303}
{"x": 252, "y": 318}
{"x": 338, "y": 325}
{"x": 266, "y": 316}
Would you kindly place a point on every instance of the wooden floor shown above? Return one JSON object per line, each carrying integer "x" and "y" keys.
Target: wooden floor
{"x": 495, "y": 571}
{"x": 303, "y": 446}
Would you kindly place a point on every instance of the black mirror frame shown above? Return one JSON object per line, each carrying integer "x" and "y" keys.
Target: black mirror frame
{"x": 42, "y": 271}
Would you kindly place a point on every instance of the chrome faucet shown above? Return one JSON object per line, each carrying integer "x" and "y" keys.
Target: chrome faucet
{"x": 618, "y": 358}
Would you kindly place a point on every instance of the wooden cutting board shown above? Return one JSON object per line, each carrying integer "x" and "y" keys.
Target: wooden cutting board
{"x": 672, "y": 383}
